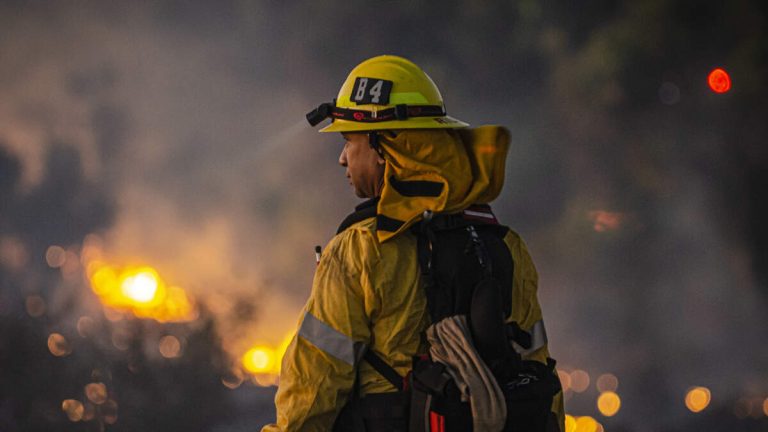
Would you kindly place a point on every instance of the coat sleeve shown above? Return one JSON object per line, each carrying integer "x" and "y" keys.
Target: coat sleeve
{"x": 527, "y": 312}
{"x": 318, "y": 368}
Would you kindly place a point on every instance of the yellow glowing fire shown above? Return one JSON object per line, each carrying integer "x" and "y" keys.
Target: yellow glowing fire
{"x": 264, "y": 361}
{"x": 141, "y": 287}
{"x": 259, "y": 360}
{"x": 141, "y": 291}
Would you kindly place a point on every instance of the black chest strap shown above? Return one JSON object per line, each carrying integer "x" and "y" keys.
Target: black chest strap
{"x": 362, "y": 212}
{"x": 385, "y": 370}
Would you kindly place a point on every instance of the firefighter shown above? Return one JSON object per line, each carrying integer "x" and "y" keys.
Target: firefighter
{"x": 404, "y": 155}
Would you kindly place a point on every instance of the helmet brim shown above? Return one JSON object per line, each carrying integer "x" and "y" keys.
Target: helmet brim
{"x": 445, "y": 122}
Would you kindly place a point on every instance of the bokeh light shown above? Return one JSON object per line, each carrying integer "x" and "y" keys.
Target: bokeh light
{"x": 582, "y": 424}
{"x": 697, "y": 399}
{"x": 73, "y": 408}
{"x": 13, "y": 253}
{"x": 608, "y": 403}
{"x": 58, "y": 345}
{"x": 113, "y": 315}
{"x": 765, "y": 407}
{"x": 109, "y": 412}
{"x": 96, "y": 392}
{"x": 86, "y": 326}
{"x": 719, "y": 80}
{"x": 262, "y": 363}
{"x": 603, "y": 220}
{"x": 140, "y": 291}
{"x": 141, "y": 287}
{"x": 70, "y": 269}
{"x": 586, "y": 424}
{"x": 607, "y": 383}
{"x": 170, "y": 347}
{"x": 570, "y": 423}
{"x": 121, "y": 339}
{"x": 55, "y": 256}
{"x": 259, "y": 360}
{"x": 89, "y": 412}
{"x": 35, "y": 306}
{"x": 232, "y": 380}
{"x": 264, "y": 380}
{"x": 579, "y": 381}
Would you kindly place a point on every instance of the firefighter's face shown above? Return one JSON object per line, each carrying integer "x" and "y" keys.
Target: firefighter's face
{"x": 365, "y": 168}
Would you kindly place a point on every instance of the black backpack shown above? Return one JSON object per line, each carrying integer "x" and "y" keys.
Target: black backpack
{"x": 466, "y": 269}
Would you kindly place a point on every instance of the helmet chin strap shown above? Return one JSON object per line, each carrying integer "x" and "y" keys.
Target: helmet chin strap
{"x": 373, "y": 141}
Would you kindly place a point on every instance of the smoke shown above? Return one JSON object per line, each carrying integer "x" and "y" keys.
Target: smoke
{"x": 148, "y": 134}
{"x": 174, "y": 131}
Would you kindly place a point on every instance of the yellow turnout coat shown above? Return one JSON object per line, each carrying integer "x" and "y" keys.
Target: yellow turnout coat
{"x": 366, "y": 292}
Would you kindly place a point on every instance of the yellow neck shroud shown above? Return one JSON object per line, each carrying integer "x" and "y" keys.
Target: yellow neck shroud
{"x": 443, "y": 171}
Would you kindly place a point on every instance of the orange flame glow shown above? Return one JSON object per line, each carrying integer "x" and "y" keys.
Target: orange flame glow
{"x": 263, "y": 362}
{"x": 141, "y": 291}
{"x": 606, "y": 220}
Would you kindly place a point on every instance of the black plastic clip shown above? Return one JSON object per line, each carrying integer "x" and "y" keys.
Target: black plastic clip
{"x": 401, "y": 112}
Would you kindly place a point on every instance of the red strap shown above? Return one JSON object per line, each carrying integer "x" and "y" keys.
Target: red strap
{"x": 436, "y": 422}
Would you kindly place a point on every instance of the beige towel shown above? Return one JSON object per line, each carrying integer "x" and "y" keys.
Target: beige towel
{"x": 451, "y": 345}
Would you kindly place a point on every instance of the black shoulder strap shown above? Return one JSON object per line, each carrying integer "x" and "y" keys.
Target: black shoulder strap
{"x": 384, "y": 369}
{"x": 362, "y": 212}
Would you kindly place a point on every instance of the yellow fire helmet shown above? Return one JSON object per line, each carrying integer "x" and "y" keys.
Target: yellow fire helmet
{"x": 385, "y": 92}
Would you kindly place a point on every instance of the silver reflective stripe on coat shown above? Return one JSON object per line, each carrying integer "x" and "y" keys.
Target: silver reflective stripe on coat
{"x": 331, "y": 340}
{"x": 538, "y": 339}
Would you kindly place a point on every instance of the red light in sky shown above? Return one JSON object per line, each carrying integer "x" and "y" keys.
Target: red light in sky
{"x": 719, "y": 81}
